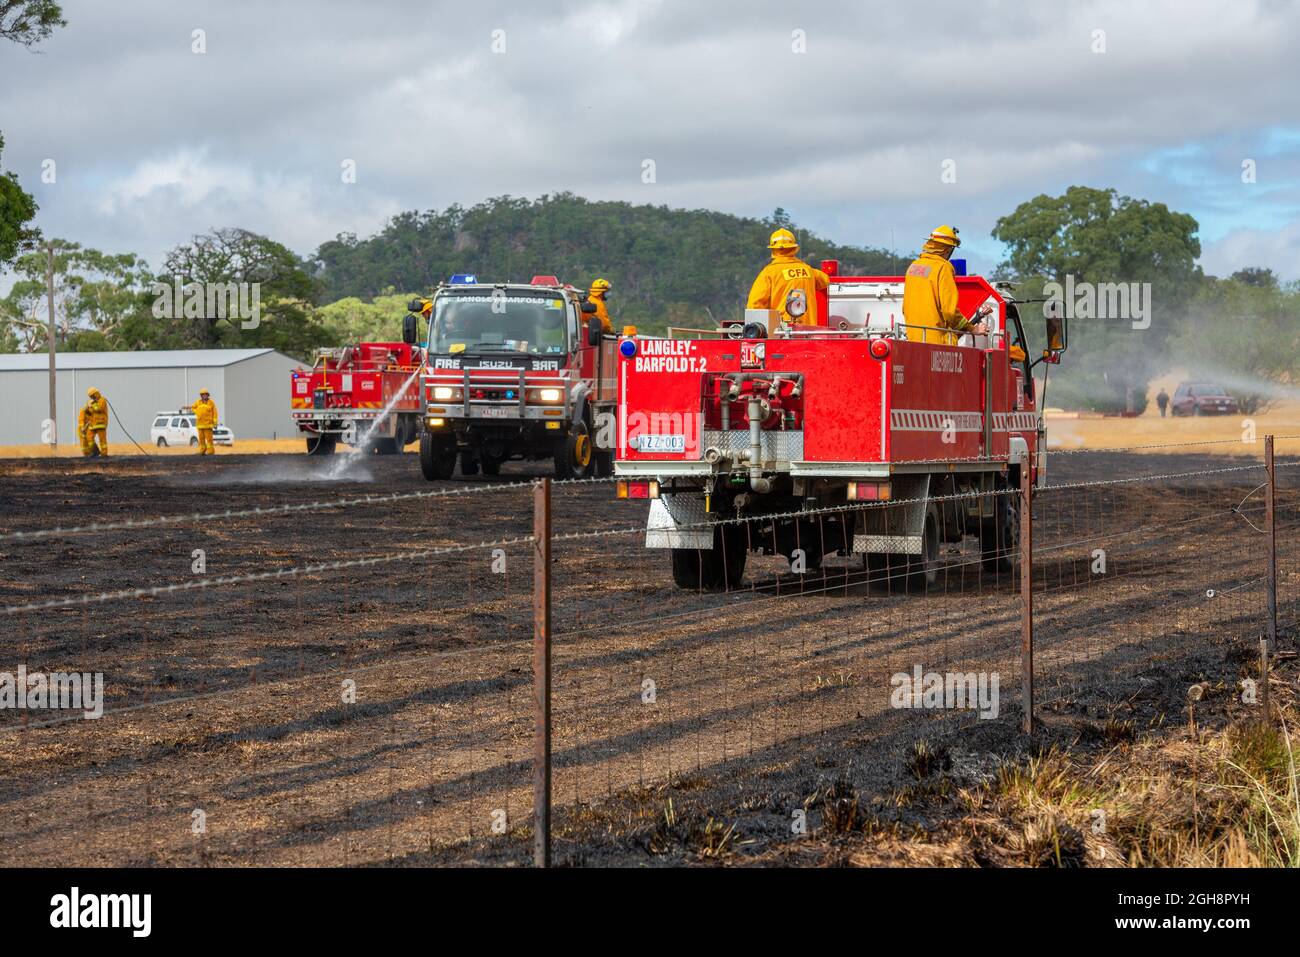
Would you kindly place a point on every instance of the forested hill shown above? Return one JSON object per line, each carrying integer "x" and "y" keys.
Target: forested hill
{"x": 666, "y": 265}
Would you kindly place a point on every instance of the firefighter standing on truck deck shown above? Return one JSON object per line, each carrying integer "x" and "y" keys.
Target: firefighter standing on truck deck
{"x": 930, "y": 293}
{"x": 787, "y": 284}
{"x": 92, "y": 424}
{"x": 205, "y": 420}
{"x": 597, "y": 293}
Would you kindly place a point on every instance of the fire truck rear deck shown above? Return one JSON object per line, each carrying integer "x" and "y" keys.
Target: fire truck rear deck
{"x": 858, "y": 436}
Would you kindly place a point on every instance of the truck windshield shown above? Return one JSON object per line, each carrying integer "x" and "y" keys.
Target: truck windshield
{"x": 501, "y": 322}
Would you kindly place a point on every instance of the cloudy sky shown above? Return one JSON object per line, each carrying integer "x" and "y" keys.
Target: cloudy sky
{"x": 845, "y": 115}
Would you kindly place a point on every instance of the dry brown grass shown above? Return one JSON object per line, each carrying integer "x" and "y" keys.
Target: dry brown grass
{"x": 1221, "y": 799}
{"x": 1283, "y": 419}
{"x": 70, "y": 450}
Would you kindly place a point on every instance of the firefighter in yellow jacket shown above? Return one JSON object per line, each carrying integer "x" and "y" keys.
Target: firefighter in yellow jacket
{"x": 597, "y": 293}
{"x": 205, "y": 420}
{"x": 787, "y": 284}
{"x": 92, "y": 424}
{"x": 930, "y": 293}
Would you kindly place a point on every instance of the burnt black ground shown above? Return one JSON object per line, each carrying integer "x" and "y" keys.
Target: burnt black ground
{"x": 785, "y": 680}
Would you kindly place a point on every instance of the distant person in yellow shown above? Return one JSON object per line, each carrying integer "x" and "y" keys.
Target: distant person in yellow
{"x": 205, "y": 420}
{"x": 930, "y": 294}
{"x": 597, "y": 293}
{"x": 787, "y": 284}
{"x": 92, "y": 424}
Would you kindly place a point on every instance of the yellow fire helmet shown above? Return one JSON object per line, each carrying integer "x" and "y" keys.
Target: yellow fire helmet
{"x": 203, "y": 392}
{"x": 600, "y": 285}
{"x": 946, "y": 235}
{"x": 92, "y": 392}
{"x": 782, "y": 239}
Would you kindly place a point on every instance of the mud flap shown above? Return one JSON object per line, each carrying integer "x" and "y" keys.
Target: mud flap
{"x": 678, "y": 521}
{"x": 895, "y": 529}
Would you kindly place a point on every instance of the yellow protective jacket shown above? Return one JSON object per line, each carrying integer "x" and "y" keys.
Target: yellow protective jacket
{"x": 94, "y": 414}
{"x": 602, "y": 311}
{"x": 785, "y": 274}
{"x": 205, "y": 414}
{"x": 930, "y": 299}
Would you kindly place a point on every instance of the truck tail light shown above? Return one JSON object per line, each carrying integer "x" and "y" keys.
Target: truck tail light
{"x": 879, "y": 348}
{"x": 868, "y": 491}
{"x": 639, "y": 489}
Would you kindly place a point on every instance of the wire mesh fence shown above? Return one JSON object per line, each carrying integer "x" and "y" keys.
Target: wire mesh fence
{"x": 384, "y": 713}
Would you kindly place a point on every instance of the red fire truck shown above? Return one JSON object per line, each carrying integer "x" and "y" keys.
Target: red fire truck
{"x": 767, "y": 419}
{"x": 363, "y": 393}
{"x": 515, "y": 371}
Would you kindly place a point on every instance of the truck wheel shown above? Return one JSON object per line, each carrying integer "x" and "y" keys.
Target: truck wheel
{"x": 604, "y": 463}
{"x": 162, "y": 442}
{"x": 1000, "y": 532}
{"x": 321, "y": 444}
{"x": 923, "y": 570}
{"x": 490, "y": 466}
{"x": 718, "y": 569}
{"x": 576, "y": 454}
{"x": 437, "y": 458}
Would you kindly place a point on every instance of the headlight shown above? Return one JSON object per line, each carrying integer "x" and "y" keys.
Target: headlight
{"x": 551, "y": 395}
{"x": 437, "y": 423}
{"x": 443, "y": 393}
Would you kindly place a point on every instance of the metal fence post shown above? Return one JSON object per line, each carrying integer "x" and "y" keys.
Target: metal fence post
{"x": 1027, "y": 594}
{"x": 542, "y": 673}
{"x": 1271, "y": 530}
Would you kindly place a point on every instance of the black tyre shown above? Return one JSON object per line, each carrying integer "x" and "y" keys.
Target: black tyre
{"x": 491, "y": 466}
{"x": 321, "y": 444}
{"x": 604, "y": 463}
{"x": 408, "y": 428}
{"x": 194, "y": 441}
{"x": 898, "y": 572}
{"x": 923, "y": 570}
{"x": 468, "y": 464}
{"x": 1000, "y": 531}
{"x": 575, "y": 457}
{"x": 162, "y": 443}
{"x": 720, "y": 568}
{"x": 437, "y": 458}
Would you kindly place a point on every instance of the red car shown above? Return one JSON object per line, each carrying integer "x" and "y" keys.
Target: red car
{"x": 1201, "y": 398}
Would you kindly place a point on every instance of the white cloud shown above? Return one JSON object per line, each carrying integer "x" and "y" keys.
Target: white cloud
{"x": 156, "y": 143}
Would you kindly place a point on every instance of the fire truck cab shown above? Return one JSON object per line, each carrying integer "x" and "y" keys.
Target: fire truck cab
{"x": 514, "y": 371}
{"x": 762, "y": 420}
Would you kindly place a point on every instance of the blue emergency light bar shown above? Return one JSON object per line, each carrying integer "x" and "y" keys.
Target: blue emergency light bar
{"x": 464, "y": 279}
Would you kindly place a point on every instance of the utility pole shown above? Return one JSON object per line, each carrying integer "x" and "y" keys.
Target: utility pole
{"x": 49, "y": 336}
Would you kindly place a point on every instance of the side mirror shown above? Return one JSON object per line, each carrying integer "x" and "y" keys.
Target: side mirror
{"x": 594, "y": 330}
{"x": 1057, "y": 338}
{"x": 410, "y": 329}
{"x": 415, "y": 305}
{"x": 588, "y": 307}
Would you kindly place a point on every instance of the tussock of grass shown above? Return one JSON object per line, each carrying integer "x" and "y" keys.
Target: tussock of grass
{"x": 1227, "y": 799}
{"x": 927, "y": 759}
